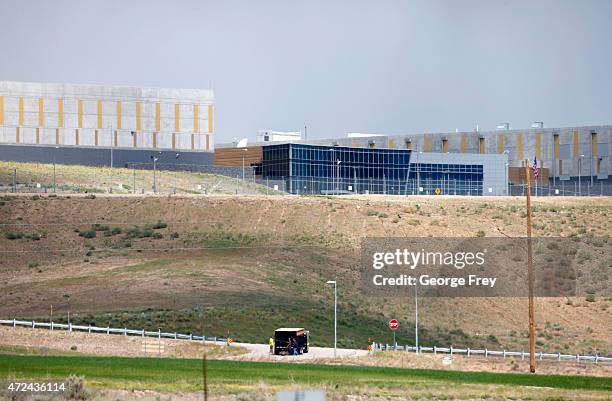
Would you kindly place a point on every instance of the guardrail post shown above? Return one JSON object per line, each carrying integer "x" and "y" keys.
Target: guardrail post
{"x": 596, "y": 358}
{"x": 14, "y": 324}
{"x": 523, "y": 355}
{"x": 175, "y": 335}
{"x": 435, "y": 350}
{"x": 451, "y": 350}
{"x": 125, "y": 331}
{"x": 215, "y": 340}
{"x": 540, "y": 355}
{"x": 51, "y": 326}
{"x": 158, "y": 333}
{"x": 577, "y": 358}
{"x": 33, "y": 324}
{"x": 190, "y": 337}
{"x": 69, "y": 326}
{"x": 559, "y": 356}
{"x": 504, "y": 353}
{"x": 143, "y": 332}
{"x": 486, "y": 353}
{"x": 107, "y": 329}
{"x": 203, "y": 339}
{"x": 468, "y": 352}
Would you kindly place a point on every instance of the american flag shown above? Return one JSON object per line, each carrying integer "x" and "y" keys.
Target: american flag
{"x": 535, "y": 168}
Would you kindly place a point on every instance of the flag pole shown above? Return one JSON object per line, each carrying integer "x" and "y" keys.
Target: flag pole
{"x": 532, "y": 360}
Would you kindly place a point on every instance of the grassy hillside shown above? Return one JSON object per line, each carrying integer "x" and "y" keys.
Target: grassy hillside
{"x": 248, "y": 265}
{"x": 39, "y": 178}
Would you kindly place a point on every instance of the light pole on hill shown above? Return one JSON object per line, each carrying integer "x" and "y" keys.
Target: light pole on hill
{"x": 335, "y": 314}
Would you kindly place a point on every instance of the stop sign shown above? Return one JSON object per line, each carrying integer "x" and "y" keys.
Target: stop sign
{"x": 393, "y": 324}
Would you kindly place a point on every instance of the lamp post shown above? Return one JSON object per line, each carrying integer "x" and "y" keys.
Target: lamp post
{"x": 335, "y": 313}
{"x": 175, "y": 164}
{"x": 154, "y": 174}
{"x": 580, "y": 173}
{"x": 416, "y": 319}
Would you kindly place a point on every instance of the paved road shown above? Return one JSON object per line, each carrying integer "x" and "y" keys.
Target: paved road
{"x": 263, "y": 351}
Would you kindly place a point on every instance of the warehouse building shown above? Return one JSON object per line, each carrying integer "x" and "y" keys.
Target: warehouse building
{"x": 562, "y": 153}
{"x": 85, "y": 124}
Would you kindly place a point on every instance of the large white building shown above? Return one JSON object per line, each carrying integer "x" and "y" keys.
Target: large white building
{"x": 75, "y": 115}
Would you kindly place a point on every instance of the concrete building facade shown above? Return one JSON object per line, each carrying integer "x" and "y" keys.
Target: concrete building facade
{"x": 94, "y": 116}
{"x": 564, "y": 152}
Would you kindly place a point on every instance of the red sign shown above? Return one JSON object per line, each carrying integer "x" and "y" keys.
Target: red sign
{"x": 393, "y": 324}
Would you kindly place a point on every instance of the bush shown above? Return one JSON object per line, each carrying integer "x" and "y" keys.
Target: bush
{"x": 88, "y": 234}
{"x": 174, "y": 234}
{"x": 158, "y": 225}
{"x": 32, "y": 265}
{"x": 90, "y": 196}
{"x": 76, "y": 388}
{"x": 590, "y": 297}
{"x": 383, "y": 215}
{"x": 480, "y": 233}
{"x": 13, "y": 235}
{"x": 100, "y": 227}
{"x": 372, "y": 212}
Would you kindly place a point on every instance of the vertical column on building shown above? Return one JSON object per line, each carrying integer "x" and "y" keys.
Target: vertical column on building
{"x": 177, "y": 123}
{"x": 501, "y": 143}
{"x": 17, "y": 136}
{"x": 576, "y": 148}
{"x": 538, "y": 146}
{"x": 464, "y": 143}
{"x": 80, "y": 121}
{"x": 1, "y": 110}
{"x": 138, "y": 127}
{"x": 41, "y": 118}
{"x": 210, "y": 124}
{"x": 519, "y": 146}
{"x": 60, "y": 119}
{"x": 196, "y": 124}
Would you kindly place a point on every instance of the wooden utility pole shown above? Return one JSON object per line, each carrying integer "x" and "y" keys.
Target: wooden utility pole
{"x": 205, "y": 375}
{"x": 532, "y": 360}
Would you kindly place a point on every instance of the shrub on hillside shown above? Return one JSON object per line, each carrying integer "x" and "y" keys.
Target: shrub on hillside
{"x": 87, "y": 234}
{"x": 13, "y": 235}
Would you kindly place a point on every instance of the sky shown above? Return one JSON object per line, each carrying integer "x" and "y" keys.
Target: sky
{"x": 386, "y": 67}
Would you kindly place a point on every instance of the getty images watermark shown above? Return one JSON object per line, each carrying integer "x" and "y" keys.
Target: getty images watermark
{"x": 484, "y": 267}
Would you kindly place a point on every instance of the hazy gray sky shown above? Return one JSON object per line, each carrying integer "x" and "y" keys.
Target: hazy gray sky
{"x": 337, "y": 66}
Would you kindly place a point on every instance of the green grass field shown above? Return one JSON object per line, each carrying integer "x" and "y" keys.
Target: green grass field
{"x": 233, "y": 377}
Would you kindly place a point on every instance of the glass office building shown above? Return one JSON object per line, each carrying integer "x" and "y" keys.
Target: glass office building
{"x": 315, "y": 169}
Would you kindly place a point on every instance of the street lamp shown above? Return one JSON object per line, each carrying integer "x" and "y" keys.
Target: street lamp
{"x": 335, "y": 313}
{"x": 154, "y": 170}
{"x": 176, "y": 157}
{"x": 579, "y": 173}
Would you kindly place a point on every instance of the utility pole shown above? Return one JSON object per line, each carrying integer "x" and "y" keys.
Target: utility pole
{"x": 205, "y": 376}
{"x": 532, "y": 360}
{"x": 416, "y": 319}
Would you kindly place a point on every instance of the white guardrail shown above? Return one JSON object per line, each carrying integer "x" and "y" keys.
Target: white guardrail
{"x": 109, "y": 330}
{"x": 469, "y": 352}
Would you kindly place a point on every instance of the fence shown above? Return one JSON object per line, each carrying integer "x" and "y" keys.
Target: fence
{"x": 134, "y": 178}
{"x": 147, "y": 178}
{"x": 469, "y": 352}
{"x": 178, "y": 336}
{"x": 110, "y": 330}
